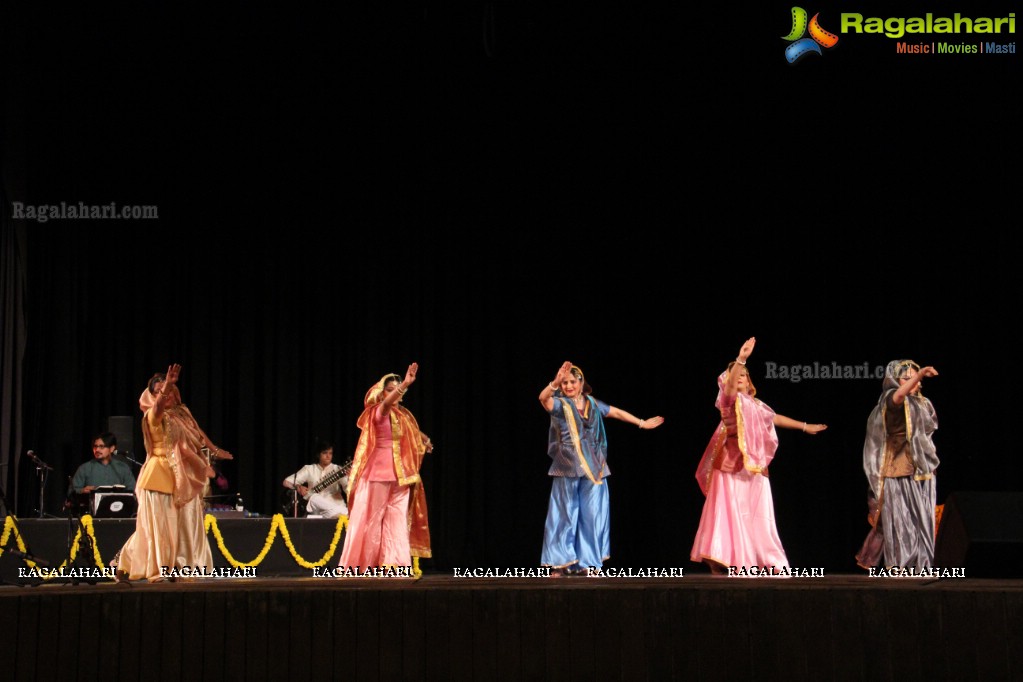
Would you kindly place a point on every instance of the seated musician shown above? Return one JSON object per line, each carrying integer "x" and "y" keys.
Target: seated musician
{"x": 102, "y": 470}
{"x": 320, "y": 486}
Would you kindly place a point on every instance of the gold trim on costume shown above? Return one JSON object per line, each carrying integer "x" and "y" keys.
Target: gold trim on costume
{"x": 740, "y": 433}
{"x": 573, "y": 430}
{"x": 909, "y": 425}
{"x": 718, "y": 447}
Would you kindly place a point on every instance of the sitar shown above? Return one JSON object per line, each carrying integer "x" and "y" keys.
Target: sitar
{"x": 289, "y": 502}
{"x": 330, "y": 479}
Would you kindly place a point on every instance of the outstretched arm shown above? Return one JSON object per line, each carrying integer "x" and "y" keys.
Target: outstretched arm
{"x": 218, "y": 453}
{"x": 907, "y": 388}
{"x": 651, "y": 423}
{"x": 393, "y": 396}
{"x": 212, "y": 451}
{"x": 163, "y": 395}
{"x": 547, "y": 394}
{"x": 787, "y": 423}
{"x": 215, "y": 452}
{"x": 731, "y": 386}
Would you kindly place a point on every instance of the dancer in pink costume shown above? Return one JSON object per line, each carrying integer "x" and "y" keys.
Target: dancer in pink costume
{"x": 387, "y": 523}
{"x": 737, "y": 527}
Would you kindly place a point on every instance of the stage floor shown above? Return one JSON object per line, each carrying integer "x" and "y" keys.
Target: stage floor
{"x": 439, "y": 627}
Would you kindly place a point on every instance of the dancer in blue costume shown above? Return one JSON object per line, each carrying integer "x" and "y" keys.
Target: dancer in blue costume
{"x": 577, "y": 533}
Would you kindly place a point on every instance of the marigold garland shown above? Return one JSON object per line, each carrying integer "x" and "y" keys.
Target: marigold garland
{"x": 87, "y": 522}
{"x": 342, "y": 523}
{"x": 277, "y": 525}
{"x": 9, "y": 527}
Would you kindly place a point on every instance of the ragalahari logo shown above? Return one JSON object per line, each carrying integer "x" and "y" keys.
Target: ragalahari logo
{"x": 802, "y": 46}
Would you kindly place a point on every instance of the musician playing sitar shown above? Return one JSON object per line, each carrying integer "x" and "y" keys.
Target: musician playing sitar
{"x": 321, "y": 485}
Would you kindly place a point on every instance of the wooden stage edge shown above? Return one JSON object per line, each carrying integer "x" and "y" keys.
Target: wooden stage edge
{"x": 448, "y": 582}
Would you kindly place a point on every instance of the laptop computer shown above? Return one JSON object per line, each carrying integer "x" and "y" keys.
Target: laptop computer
{"x": 113, "y": 502}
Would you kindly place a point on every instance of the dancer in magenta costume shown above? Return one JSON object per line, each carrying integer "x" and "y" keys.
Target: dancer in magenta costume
{"x": 737, "y": 527}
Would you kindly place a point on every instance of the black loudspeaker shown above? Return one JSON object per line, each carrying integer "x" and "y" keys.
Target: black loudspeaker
{"x": 124, "y": 429}
{"x": 982, "y": 532}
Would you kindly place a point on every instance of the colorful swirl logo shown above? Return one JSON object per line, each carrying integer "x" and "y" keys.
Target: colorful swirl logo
{"x": 802, "y": 46}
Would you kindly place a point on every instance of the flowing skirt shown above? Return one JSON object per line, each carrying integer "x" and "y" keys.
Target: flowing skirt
{"x": 907, "y": 522}
{"x": 166, "y": 536}
{"x": 737, "y": 527}
{"x": 377, "y": 533}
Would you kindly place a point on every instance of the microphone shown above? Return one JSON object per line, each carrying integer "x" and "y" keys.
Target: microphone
{"x": 31, "y": 454}
{"x": 126, "y": 455}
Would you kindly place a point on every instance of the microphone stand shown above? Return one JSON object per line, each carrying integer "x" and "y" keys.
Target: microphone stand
{"x": 42, "y": 471}
{"x": 85, "y": 544}
{"x": 294, "y": 496}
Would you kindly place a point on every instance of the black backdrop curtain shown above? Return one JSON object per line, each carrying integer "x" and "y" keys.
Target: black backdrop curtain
{"x": 490, "y": 191}
{"x": 12, "y": 351}
{"x": 281, "y": 336}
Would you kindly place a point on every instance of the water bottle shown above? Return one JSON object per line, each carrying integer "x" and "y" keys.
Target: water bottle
{"x": 239, "y": 505}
